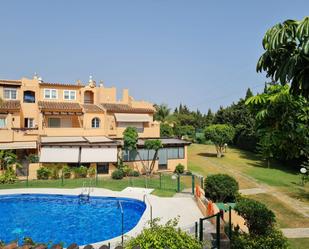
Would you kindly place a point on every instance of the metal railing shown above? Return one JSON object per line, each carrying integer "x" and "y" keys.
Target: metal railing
{"x": 122, "y": 221}
{"x": 145, "y": 197}
{"x": 201, "y": 228}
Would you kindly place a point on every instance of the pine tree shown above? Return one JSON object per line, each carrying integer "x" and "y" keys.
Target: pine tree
{"x": 248, "y": 93}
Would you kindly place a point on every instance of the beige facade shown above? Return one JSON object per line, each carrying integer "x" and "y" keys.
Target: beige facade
{"x": 70, "y": 107}
{"x": 32, "y": 109}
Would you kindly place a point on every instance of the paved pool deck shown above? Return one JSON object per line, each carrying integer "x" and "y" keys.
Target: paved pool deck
{"x": 165, "y": 208}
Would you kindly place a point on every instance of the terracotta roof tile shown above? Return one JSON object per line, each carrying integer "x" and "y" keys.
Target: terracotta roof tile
{"x": 92, "y": 108}
{"x": 59, "y": 106}
{"x": 10, "y": 82}
{"x": 10, "y": 105}
{"x": 123, "y": 108}
{"x": 60, "y": 84}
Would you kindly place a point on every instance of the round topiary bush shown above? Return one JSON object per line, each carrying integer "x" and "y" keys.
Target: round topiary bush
{"x": 117, "y": 174}
{"x": 221, "y": 188}
{"x": 180, "y": 169}
{"x": 259, "y": 219}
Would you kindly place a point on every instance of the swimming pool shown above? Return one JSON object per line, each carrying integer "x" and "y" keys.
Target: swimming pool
{"x": 64, "y": 218}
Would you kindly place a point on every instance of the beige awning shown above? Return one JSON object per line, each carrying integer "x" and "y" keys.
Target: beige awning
{"x": 98, "y": 155}
{"x": 98, "y": 139}
{"x": 62, "y": 139}
{"x": 18, "y": 145}
{"x": 132, "y": 117}
{"x": 59, "y": 155}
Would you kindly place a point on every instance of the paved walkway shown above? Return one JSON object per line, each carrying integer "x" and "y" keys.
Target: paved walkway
{"x": 252, "y": 191}
{"x": 296, "y": 232}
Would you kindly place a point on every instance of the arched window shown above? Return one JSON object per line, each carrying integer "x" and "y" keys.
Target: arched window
{"x": 29, "y": 97}
{"x": 95, "y": 123}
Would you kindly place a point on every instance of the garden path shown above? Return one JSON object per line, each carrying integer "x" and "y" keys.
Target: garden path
{"x": 293, "y": 203}
{"x": 293, "y": 233}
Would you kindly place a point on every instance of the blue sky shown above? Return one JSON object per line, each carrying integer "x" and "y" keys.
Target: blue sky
{"x": 200, "y": 53}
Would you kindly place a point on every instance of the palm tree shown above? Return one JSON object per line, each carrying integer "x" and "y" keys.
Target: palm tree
{"x": 162, "y": 112}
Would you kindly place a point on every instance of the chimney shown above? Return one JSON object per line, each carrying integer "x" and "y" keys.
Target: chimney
{"x": 125, "y": 96}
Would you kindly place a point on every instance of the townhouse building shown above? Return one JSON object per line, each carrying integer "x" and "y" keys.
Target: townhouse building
{"x": 78, "y": 124}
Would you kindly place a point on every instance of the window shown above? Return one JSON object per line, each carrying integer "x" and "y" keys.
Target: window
{"x": 50, "y": 94}
{"x": 29, "y": 97}
{"x": 2, "y": 122}
{"x": 54, "y": 122}
{"x": 102, "y": 168}
{"x": 95, "y": 123}
{"x": 10, "y": 93}
{"x": 69, "y": 94}
{"x": 164, "y": 153}
{"x": 29, "y": 123}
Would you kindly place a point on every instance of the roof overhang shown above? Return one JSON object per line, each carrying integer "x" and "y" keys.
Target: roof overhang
{"x": 77, "y": 141}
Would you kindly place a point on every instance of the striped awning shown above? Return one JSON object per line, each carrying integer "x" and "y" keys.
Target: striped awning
{"x": 132, "y": 117}
{"x": 18, "y": 145}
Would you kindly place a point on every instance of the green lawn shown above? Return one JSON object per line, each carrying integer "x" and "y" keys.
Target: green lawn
{"x": 167, "y": 189}
{"x": 286, "y": 179}
{"x": 299, "y": 243}
{"x": 249, "y": 170}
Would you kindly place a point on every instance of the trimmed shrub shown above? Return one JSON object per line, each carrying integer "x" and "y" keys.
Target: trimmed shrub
{"x": 221, "y": 188}
{"x": 274, "y": 239}
{"x": 91, "y": 172}
{"x": 66, "y": 170}
{"x": 134, "y": 173}
{"x": 180, "y": 169}
{"x": 9, "y": 176}
{"x": 43, "y": 173}
{"x": 259, "y": 219}
{"x": 54, "y": 173}
{"x": 117, "y": 174}
{"x": 163, "y": 236}
{"x": 127, "y": 170}
{"x": 80, "y": 172}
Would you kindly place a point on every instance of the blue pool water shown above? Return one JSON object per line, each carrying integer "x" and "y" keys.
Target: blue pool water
{"x": 63, "y": 218}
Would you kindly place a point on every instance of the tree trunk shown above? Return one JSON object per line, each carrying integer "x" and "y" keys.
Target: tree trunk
{"x": 153, "y": 161}
{"x": 219, "y": 152}
{"x": 143, "y": 163}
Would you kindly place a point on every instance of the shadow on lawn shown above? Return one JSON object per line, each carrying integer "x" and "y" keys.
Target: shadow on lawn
{"x": 257, "y": 161}
{"x": 208, "y": 154}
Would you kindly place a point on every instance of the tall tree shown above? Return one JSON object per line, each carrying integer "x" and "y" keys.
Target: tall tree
{"x": 281, "y": 123}
{"x": 209, "y": 118}
{"x": 286, "y": 56}
{"x": 162, "y": 112}
{"x": 130, "y": 141}
{"x": 248, "y": 93}
{"x": 219, "y": 134}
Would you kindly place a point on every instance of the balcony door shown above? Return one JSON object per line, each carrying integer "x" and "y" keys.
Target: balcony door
{"x": 88, "y": 97}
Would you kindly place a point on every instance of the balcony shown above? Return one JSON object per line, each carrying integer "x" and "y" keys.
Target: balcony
{"x": 63, "y": 131}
